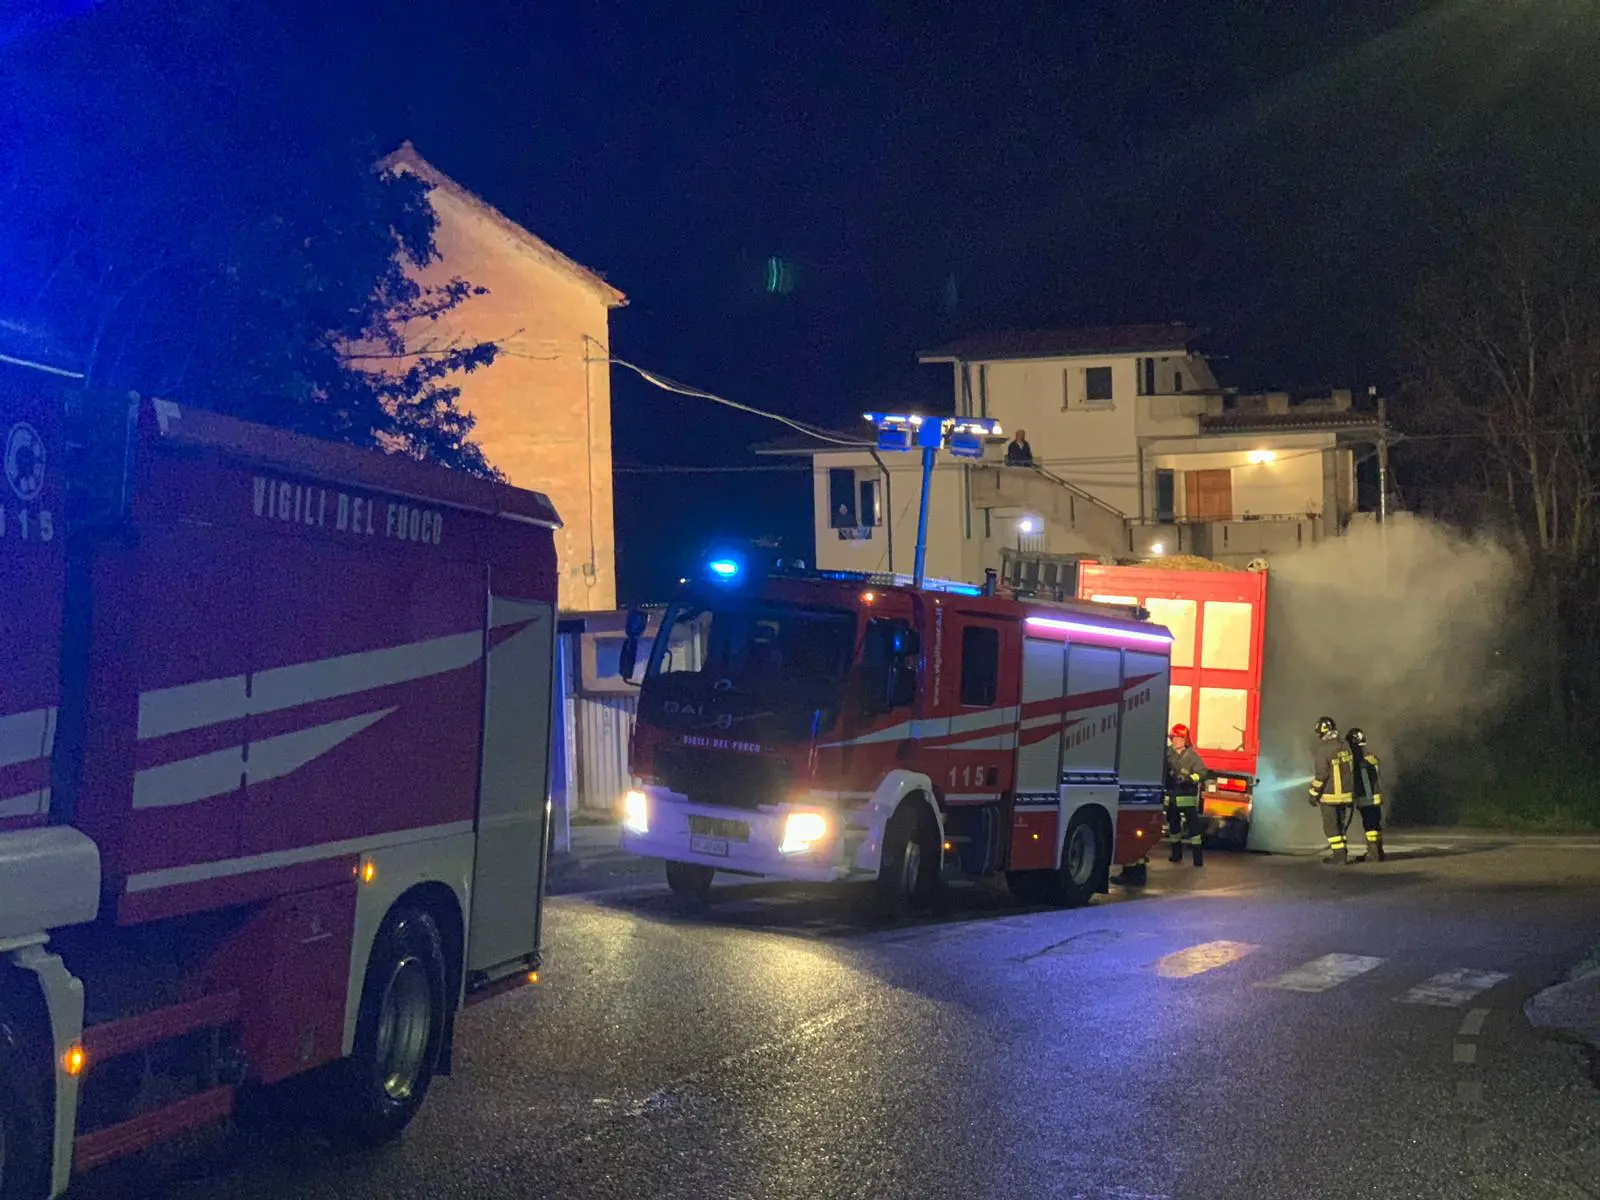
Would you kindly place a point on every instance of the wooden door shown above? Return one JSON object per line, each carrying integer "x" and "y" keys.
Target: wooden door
{"x": 1209, "y": 495}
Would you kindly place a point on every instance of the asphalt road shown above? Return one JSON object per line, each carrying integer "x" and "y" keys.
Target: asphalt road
{"x": 1264, "y": 1028}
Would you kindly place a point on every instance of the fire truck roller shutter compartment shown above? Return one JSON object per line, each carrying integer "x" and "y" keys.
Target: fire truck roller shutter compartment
{"x": 1036, "y": 829}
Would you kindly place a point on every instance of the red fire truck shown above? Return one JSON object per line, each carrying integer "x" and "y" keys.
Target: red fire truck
{"x": 274, "y": 729}
{"x": 1217, "y": 619}
{"x": 838, "y": 726}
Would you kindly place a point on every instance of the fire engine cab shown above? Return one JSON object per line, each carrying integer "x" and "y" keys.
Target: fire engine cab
{"x": 845, "y": 726}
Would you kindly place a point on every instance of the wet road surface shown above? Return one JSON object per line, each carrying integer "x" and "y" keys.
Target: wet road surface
{"x": 1266, "y": 1027}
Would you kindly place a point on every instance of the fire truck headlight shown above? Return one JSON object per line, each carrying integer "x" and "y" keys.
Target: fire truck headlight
{"x": 636, "y": 812}
{"x": 802, "y": 831}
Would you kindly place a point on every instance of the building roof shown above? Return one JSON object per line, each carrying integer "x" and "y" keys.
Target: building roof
{"x": 1289, "y": 422}
{"x": 1065, "y": 343}
{"x": 406, "y": 159}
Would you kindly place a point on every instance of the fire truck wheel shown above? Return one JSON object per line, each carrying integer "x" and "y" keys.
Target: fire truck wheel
{"x": 399, "y": 1033}
{"x": 25, "y": 1134}
{"x": 908, "y": 872}
{"x": 690, "y": 883}
{"x": 1085, "y": 859}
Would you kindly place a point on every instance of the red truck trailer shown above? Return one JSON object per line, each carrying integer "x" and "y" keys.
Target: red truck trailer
{"x": 274, "y": 730}
{"x": 831, "y": 726}
{"x": 1217, "y": 618}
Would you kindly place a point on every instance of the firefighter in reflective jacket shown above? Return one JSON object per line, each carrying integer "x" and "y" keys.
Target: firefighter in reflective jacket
{"x": 1330, "y": 788}
{"x": 1367, "y": 791}
{"x": 1185, "y": 771}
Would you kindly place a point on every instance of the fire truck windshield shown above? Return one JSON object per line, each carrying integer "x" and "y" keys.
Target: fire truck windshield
{"x": 764, "y": 650}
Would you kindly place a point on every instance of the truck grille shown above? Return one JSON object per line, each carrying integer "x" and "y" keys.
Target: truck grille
{"x": 724, "y": 779}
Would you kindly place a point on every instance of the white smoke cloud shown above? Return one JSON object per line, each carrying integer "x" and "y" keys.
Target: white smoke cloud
{"x": 1397, "y": 630}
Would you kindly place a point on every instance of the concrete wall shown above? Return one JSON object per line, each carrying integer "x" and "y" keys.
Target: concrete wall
{"x": 1094, "y": 447}
{"x": 543, "y": 413}
{"x": 951, "y": 553}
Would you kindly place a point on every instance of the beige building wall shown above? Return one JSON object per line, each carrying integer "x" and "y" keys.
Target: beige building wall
{"x": 543, "y": 408}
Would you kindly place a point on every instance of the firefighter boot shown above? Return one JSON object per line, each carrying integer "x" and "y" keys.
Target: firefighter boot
{"x": 1377, "y": 847}
{"x": 1338, "y": 856}
{"x": 1177, "y": 853}
{"x": 1199, "y": 854}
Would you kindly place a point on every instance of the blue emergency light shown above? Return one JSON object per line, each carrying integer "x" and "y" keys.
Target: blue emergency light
{"x": 725, "y": 569}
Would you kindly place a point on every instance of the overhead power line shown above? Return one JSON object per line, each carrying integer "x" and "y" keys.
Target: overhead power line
{"x": 683, "y": 389}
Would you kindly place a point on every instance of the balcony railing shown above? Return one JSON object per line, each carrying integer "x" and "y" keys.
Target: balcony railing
{"x": 1229, "y": 538}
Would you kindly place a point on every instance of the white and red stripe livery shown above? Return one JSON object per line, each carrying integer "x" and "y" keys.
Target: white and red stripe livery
{"x": 1006, "y": 735}
{"x": 261, "y": 698}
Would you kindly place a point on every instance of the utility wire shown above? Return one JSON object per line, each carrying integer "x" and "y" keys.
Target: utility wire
{"x": 683, "y": 389}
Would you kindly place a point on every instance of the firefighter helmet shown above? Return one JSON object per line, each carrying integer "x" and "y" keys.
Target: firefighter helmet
{"x": 1356, "y": 738}
{"x": 1327, "y": 728}
{"x": 1180, "y": 731}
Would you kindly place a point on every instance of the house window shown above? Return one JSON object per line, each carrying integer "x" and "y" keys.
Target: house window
{"x": 1166, "y": 494}
{"x": 1147, "y": 377}
{"x": 1177, "y": 381}
{"x": 1097, "y": 385}
{"x": 842, "y": 497}
{"x": 980, "y": 665}
{"x": 869, "y": 512}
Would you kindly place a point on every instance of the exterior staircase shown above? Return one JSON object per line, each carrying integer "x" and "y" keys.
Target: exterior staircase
{"x": 1100, "y": 528}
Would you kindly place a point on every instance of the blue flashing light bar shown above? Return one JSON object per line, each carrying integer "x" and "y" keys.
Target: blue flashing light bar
{"x": 725, "y": 569}
{"x": 883, "y": 579}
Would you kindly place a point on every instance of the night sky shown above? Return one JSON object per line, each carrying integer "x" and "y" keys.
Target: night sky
{"x": 797, "y": 197}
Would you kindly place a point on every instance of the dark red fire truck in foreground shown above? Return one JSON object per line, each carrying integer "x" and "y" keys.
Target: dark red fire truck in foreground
{"x": 841, "y": 726}
{"x": 274, "y": 722}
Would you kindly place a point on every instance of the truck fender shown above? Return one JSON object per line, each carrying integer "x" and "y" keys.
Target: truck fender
{"x": 897, "y": 786}
{"x": 61, "y": 995}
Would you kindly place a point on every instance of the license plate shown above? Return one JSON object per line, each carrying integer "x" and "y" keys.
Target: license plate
{"x": 709, "y": 845}
{"x": 720, "y": 827}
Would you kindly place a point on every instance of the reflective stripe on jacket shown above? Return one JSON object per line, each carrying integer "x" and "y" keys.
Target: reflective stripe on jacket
{"x": 1335, "y": 771}
{"x": 1185, "y": 770}
{"x": 1368, "y": 790}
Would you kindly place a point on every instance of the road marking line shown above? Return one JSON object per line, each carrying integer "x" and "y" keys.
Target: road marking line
{"x": 1197, "y": 960}
{"x": 1472, "y": 1023}
{"x": 1451, "y": 989}
{"x": 1466, "y": 1052}
{"x": 1469, "y": 1091}
{"x": 1323, "y": 973}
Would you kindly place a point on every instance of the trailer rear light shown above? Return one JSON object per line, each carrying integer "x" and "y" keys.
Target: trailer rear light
{"x": 74, "y": 1060}
{"x": 636, "y": 812}
{"x": 802, "y": 831}
{"x": 533, "y": 977}
{"x": 1225, "y": 784}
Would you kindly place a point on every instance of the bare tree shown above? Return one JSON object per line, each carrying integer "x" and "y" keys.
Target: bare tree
{"x": 1502, "y": 365}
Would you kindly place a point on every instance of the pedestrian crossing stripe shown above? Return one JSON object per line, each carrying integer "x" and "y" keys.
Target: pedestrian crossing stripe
{"x": 1323, "y": 973}
{"x": 1452, "y": 989}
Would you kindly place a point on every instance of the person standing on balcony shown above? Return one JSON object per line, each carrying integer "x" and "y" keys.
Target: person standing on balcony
{"x": 1018, "y": 452}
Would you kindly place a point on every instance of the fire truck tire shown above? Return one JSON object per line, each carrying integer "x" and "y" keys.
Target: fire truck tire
{"x": 25, "y": 1125}
{"x": 1085, "y": 861}
{"x": 690, "y": 883}
{"x": 399, "y": 1033}
{"x": 908, "y": 872}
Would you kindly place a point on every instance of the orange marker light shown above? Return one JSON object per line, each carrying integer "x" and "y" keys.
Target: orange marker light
{"x": 533, "y": 977}
{"x": 369, "y": 871}
{"x": 74, "y": 1060}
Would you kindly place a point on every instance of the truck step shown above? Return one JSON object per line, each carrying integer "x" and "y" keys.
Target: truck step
{"x": 91, "y": 1150}
{"x": 115, "y": 1038}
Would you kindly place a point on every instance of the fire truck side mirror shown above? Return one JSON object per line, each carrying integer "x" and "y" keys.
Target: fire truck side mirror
{"x": 636, "y": 623}
{"x": 628, "y": 657}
